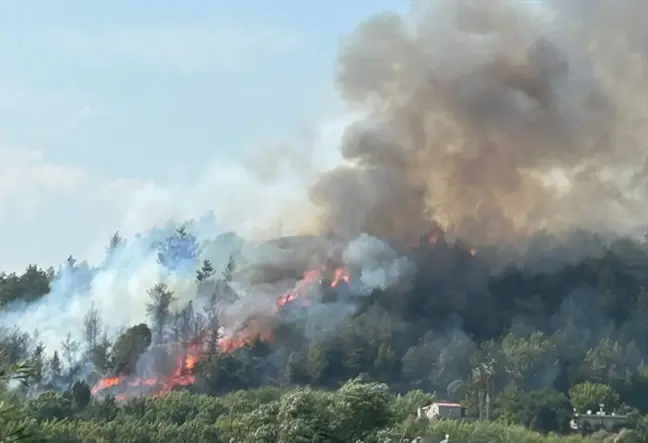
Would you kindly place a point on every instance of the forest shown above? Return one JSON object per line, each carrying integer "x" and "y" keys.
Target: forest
{"x": 473, "y": 241}
{"x": 522, "y": 339}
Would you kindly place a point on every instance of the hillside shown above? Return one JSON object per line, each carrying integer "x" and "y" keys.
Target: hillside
{"x": 552, "y": 331}
{"x": 475, "y": 238}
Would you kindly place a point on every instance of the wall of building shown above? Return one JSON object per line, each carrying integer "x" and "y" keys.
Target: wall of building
{"x": 449, "y": 411}
{"x": 440, "y": 410}
{"x": 593, "y": 422}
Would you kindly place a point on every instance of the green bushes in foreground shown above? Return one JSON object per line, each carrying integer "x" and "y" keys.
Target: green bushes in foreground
{"x": 366, "y": 412}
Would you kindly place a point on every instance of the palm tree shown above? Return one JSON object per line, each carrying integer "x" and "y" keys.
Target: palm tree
{"x": 482, "y": 377}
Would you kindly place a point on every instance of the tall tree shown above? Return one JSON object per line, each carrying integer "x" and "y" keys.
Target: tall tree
{"x": 55, "y": 366}
{"x": 91, "y": 329}
{"x": 129, "y": 346}
{"x": 179, "y": 251}
{"x": 70, "y": 349}
{"x": 115, "y": 244}
{"x": 158, "y": 310}
{"x": 205, "y": 272}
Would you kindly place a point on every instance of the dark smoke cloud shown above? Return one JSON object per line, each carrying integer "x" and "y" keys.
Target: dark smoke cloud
{"x": 494, "y": 118}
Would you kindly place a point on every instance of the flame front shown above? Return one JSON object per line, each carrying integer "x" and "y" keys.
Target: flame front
{"x": 107, "y": 382}
{"x": 182, "y": 374}
{"x": 340, "y": 275}
{"x": 310, "y": 278}
{"x": 155, "y": 386}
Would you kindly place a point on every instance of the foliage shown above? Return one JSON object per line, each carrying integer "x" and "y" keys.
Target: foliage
{"x": 14, "y": 426}
{"x": 297, "y": 415}
{"x": 129, "y": 346}
{"x": 543, "y": 410}
{"x": 523, "y": 338}
{"x": 589, "y": 396}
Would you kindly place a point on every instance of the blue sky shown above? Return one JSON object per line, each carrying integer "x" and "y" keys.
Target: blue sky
{"x": 103, "y": 104}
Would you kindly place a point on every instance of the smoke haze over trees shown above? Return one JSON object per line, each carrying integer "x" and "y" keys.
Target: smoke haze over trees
{"x": 478, "y": 245}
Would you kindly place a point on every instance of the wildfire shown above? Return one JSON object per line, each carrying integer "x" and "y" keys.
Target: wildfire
{"x": 340, "y": 275}
{"x": 155, "y": 386}
{"x": 182, "y": 374}
{"x": 107, "y": 382}
{"x": 310, "y": 278}
{"x": 231, "y": 344}
{"x": 191, "y": 361}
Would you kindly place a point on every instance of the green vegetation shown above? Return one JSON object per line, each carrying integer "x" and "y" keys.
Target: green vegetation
{"x": 358, "y": 411}
{"x": 521, "y": 345}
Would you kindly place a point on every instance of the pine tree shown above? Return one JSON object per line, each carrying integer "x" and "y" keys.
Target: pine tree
{"x": 92, "y": 329}
{"x": 205, "y": 272}
{"x": 158, "y": 310}
{"x": 55, "y": 365}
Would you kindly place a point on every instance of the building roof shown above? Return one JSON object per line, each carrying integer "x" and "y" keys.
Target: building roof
{"x": 604, "y": 416}
{"x": 444, "y": 403}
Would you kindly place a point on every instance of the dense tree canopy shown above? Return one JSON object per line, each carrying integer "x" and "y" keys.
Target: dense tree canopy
{"x": 523, "y": 339}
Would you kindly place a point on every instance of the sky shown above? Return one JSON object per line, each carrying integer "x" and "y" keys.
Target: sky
{"x": 119, "y": 115}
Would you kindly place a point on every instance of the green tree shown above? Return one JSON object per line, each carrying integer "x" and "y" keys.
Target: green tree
{"x": 158, "y": 310}
{"x": 205, "y": 272}
{"x": 543, "y": 410}
{"x": 588, "y": 396}
{"x": 81, "y": 394}
{"x": 302, "y": 418}
{"x": 50, "y": 405}
{"x": 128, "y": 348}
{"x": 532, "y": 362}
{"x": 179, "y": 251}
{"x": 360, "y": 409}
{"x": 14, "y": 427}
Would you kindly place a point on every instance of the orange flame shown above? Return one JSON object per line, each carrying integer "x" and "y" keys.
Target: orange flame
{"x": 340, "y": 275}
{"x": 107, "y": 382}
{"x": 231, "y": 344}
{"x": 190, "y": 361}
{"x": 182, "y": 374}
{"x": 310, "y": 278}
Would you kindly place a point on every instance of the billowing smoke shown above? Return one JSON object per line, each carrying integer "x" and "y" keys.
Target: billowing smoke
{"x": 363, "y": 265}
{"x": 379, "y": 266}
{"x": 117, "y": 290}
{"x": 493, "y": 117}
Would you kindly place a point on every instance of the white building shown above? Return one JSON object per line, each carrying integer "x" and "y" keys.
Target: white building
{"x": 598, "y": 420}
{"x": 441, "y": 410}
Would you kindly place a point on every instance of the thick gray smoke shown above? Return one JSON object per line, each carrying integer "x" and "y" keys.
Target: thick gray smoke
{"x": 493, "y": 117}
{"x": 370, "y": 262}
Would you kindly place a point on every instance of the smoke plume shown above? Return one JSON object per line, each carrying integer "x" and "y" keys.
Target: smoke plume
{"x": 492, "y": 117}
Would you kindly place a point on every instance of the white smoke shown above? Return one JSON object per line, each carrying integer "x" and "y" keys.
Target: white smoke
{"x": 242, "y": 197}
{"x": 380, "y": 267}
